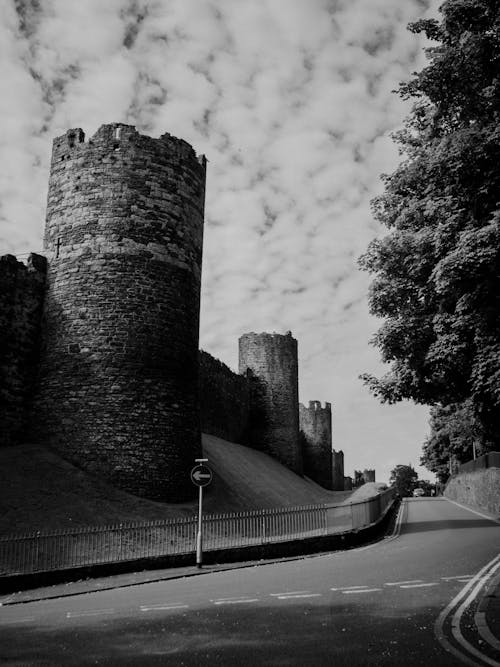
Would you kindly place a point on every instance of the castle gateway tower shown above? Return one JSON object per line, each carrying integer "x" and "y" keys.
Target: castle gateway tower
{"x": 270, "y": 362}
{"x": 118, "y": 389}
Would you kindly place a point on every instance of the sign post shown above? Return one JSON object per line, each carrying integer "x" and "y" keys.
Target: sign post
{"x": 201, "y": 475}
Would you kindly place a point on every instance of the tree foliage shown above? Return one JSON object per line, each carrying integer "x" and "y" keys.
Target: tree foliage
{"x": 404, "y": 479}
{"x": 437, "y": 273}
{"x": 455, "y": 429}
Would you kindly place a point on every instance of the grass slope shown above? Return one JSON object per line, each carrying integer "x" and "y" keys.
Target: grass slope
{"x": 40, "y": 491}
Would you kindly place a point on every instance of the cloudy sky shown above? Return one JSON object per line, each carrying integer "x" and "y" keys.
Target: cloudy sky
{"x": 291, "y": 102}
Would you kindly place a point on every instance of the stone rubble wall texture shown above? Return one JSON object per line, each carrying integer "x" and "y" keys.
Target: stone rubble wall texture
{"x": 21, "y": 301}
{"x": 338, "y": 470}
{"x": 315, "y": 423}
{"x": 224, "y": 400}
{"x": 270, "y": 362}
{"x": 479, "y": 489}
{"x": 118, "y": 389}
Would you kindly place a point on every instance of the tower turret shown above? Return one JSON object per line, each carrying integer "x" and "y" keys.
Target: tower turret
{"x": 270, "y": 361}
{"x": 118, "y": 387}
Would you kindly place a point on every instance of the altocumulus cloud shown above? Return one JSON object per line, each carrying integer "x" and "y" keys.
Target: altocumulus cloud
{"x": 291, "y": 102}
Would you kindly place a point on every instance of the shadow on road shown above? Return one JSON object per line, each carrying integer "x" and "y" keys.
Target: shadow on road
{"x": 326, "y": 633}
{"x": 446, "y": 524}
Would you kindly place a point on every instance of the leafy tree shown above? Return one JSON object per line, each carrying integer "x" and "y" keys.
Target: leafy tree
{"x": 437, "y": 273}
{"x": 404, "y": 479}
{"x": 455, "y": 431}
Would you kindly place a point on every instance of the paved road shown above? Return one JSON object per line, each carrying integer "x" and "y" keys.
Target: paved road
{"x": 378, "y": 605}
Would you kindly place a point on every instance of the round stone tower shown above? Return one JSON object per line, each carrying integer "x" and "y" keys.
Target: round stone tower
{"x": 270, "y": 362}
{"x": 118, "y": 388}
{"x": 315, "y": 425}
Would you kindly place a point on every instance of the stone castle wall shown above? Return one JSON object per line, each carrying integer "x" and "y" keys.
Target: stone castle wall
{"x": 315, "y": 423}
{"x": 118, "y": 390}
{"x": 21, "y": 301}
{"x": 338, "y": 471}
{"x": 224, "y": 400}
{"x": 111, "y": 375}
{"x": 270, "y": 362}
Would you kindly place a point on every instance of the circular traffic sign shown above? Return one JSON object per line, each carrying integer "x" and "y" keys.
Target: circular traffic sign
{"x": 201, "y": 475}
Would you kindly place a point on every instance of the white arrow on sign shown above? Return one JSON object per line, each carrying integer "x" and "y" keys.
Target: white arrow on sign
{"x": 198, "y": 475}
{"x": 201, "y": 475}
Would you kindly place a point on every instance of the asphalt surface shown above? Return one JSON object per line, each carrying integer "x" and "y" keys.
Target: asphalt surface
{"x": 424, "y": 596}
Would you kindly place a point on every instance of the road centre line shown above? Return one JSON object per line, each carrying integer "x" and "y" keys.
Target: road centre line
{"x": 244, "y": 601}
{"x": 275, "y": 595}
{"x": 400, "y": 583}
{"x": 92, "y": 612}
{"x": 165, "y": 607}
{"x": 235, "y": 597}
{"x": 299, "y": 595}
{"x": 363, "y": 590}
{"x": 458, "y": 576}
{"x": 347, "y": 588}
{"x": 419, "y": 585}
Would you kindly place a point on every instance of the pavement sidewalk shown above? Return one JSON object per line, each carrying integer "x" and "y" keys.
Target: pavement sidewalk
{"x": 93, "y": 585}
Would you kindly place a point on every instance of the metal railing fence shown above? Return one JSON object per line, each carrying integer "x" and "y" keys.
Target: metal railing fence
{"x": 78, "y": 547}
{"x": 489, "y": 460}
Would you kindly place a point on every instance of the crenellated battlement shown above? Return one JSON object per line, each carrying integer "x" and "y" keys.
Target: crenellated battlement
{"x": 316, "y": 406}
{"x": 119, "y": 137}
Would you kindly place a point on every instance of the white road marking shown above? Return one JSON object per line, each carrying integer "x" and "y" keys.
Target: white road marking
{"x": 92, "y": 612}
{"x": 349, "y": 588}
{"x": 275, "y": 595}
{"x": 400, "y": 583}
{"x": 164, "y": 607}
{"x": 239, "y": 597}
{"x": 419, "y": 585}
{"x": 245, "y": 601}
{"x": 364, "y": 590}
{"x": 27, "y": 619}
{"x": 439, "y": 624}
{"x": 458, "y": 576}
{"x": 477, "y": 583}
{"x": 299, "y": 595}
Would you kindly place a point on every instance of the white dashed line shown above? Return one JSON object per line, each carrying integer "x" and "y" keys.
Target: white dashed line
{"x": 245, "y": 601}
{"x": 400, "y": 583}
{"x": 459, "y": 577}
{"x": 164, "y": 607}
{"x": 419, "y": 585}
{"x": 299, "y": 595}
{"x": 348, "y": 588}
{"x": 363, "y": 590}
{"x": 27, "y": 619}
{"x": 93, "y": 612}
{"x": 275, "y": 595}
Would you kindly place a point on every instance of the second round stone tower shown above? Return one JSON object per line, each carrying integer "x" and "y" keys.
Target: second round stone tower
{"x": 118, "y": 390}
{"x": 270, "y": 362}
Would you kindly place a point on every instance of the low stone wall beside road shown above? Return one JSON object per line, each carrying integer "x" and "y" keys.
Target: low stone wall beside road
{"x": 479, "y": 489}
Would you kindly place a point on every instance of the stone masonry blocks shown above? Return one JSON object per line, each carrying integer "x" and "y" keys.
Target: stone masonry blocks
{"x": 315, "y": 423}
{"x": 21, "y": 301}
{"x": 270, "y": 362}
{"x": 118, "y": 385}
